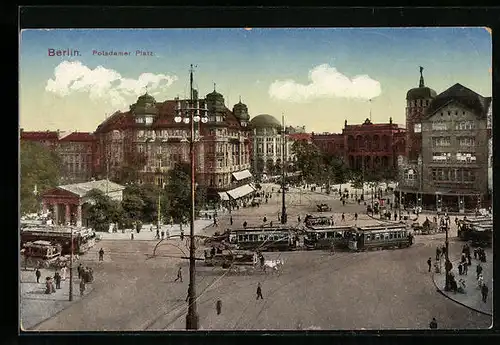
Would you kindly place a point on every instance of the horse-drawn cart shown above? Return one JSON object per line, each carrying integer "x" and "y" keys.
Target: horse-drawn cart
{"x": 323, "y": 208}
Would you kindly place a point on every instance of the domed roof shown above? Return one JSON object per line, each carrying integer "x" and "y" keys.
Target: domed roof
{"x": 146, "y": 98}
{"x": 214, "y": 94}
{"x": 240, "y": 105}
{"x": 420, "y": 93}
{"x": 265, "y": 120}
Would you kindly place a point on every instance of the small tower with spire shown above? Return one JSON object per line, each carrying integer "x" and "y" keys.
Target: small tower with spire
{"x": 421, "y": 83}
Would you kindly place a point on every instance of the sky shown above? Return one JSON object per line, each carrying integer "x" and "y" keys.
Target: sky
{"x": 314, "y": 77}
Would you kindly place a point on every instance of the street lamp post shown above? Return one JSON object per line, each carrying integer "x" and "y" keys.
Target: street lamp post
{"x": 71, "y": 268}
{"x": 190, "y": 114}
{"x": 447, "y": 262}
{"x": 283, "y": 146}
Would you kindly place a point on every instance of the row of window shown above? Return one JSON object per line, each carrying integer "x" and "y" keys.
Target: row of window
{"x": 453, "y": 175}
{"x": 459, "y": 126}
{"x": 459, "y": 157}
{"x": 262, "y": 237}
{"x": 446, "y": 141}
{"x": 385, "y": 236}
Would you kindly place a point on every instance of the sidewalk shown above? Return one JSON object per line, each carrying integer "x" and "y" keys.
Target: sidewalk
{"x": 147, "y": 235}
{"x": 472, "y": 298}
{"x": 36, "y": 306}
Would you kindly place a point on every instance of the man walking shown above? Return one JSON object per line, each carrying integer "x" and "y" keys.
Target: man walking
{"x": 82, "y": 287}
{"x": 38, "y": 274}
{"x": 438, "y": 253}
{"x": 465, "y": 268}
{"x": 231, "y": 220}
{"x": 484, "y": 292}
{"x": 79, "y": 269}
{"x": 433, "y": 324}
{"x": 101, "y": 255}
{"x": 259, "y": 292}
{"x": 355, "y": 216}
{"x": 479, "y": 270}
{"x": 343, "y": 217}
{"x": 218, "y": 306}
{"x": 57, "y": 279}
{"x": 179, "y": 275}
{"x": 429, "y": 263}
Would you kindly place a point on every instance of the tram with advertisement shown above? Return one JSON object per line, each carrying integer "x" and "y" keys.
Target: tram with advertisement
{"x": 382, "y": 236}
{"x": 327, "y": 237}
{"x": 313, "y": 221}
{"x": 83, "y": 238}
{"x": 264, "y": 239}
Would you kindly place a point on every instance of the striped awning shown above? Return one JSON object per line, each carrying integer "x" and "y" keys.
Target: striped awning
{"x": 223, "y": 196}
{"x": 240, "y": 192}
{"x": 240, "y": 175}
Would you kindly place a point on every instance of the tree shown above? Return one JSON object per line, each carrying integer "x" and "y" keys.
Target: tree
{"x": 140, "y": 202}
{"x": 102, "y": 210}
{"x": 39, "y": 167}
{"x": 177, "y": 198}
{"x": 309, "y": 160}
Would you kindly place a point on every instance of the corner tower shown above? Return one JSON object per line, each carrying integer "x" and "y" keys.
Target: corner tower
{"x": 417, "y": 102}
{"x": 240, "y": 110}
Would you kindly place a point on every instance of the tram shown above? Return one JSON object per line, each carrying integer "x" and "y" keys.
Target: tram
{"x": 467, "y": 227}
{"x": 381, "y": 236}
{"x": 83, "y": 238}
{"x": 311, "y": 221}
{"x": 264, "y": 239}
{"x": 324, "y": 237}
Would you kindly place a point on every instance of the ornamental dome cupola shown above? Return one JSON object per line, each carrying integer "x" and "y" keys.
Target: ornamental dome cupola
{"x": 240, "y": 110}
{"x": 144, "y": 109}
{"x": 215, "y": 101}
{"x": 421, "y": 92}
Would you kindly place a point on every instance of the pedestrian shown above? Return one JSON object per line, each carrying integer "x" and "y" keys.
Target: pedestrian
{"x": 101, "y": 255}
{"x": 438, "y": 253}
{"x": 63, "y": 271}
{"x": 469, "y": 260}
{"x": 271, "y": 223}
{"x": 157, "y": 234}
{"x": 215, "y": 222}
{"x": 484, "y": 292}
{"x": 218, "y": 306}
{"x": 343, "y": 217}
{"x": 38, "y": 274}
{"x": 429, "y": 263}
{"x": 231, "y": 220}
{"x": 433, "y": 324}
{"x": 245, "y": 224}
{"x": 460, "y": 268}
{"x": 265, "y": 219}
{"x": 79, "y": 269}
{"x": 259, "y": 292}
{"x": 356, "y": 216}
{"x": 82, "y": 287}
{"x": 465, "y": 268}
{"x": 162, "y": 234}
{"x": 57, "y": 279}
{"x": 479, "y": 270}
{"x": 298, "y": 218}
{"x": 179, "y": 275}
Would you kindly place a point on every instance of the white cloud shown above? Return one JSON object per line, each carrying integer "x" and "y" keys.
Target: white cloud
{"x": 104, "y": 84}
{"x": 326, "y": 82}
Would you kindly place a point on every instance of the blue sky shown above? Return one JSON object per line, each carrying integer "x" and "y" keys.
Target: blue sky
{"x": 268, "y": 68}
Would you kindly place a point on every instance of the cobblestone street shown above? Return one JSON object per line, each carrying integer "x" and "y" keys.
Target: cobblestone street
{"x": 316, "y": 290}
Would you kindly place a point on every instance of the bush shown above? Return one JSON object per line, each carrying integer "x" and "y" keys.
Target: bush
{"x": 126, "y": 223}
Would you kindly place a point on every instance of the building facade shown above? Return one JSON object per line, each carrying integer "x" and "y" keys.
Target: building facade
{"x": 451, "y": 150}
{"x": 77, "y": 150}
{"x": 366, "y": 146}
{"x": 269, "y": 149}
{"x": 148, "y": 137}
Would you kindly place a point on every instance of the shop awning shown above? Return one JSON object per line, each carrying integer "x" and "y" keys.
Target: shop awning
{"x": 223, "y": 196}
{"x": 240, "y": 192}
{"x": 241, "y": 175}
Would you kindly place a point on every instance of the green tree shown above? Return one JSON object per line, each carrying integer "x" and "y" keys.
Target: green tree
{"x": 141, "y": 202}
{"x": 102, "y": 210}
{"x": 39, "y": 167}
{"x": 309, "y": 161}
{"x": 177, "y": 197}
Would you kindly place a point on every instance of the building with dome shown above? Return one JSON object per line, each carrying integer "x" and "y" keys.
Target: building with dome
{"x": 147, "y": 137}
{"x": 447, "y": 149}
{"x": 267, "y": 150}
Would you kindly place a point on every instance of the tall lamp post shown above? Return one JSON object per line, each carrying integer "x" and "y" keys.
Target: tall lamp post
{"x": 283, "y": 147}
{"x": 191, "y": 113}
{"x": 447, "y": 264}
{"x": 71, "y": 268}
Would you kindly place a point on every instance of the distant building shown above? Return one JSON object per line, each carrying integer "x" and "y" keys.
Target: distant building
{"x": 77, "y": 150}
{"x": 450, "y": 141}
{"x": 268, "y": 146}
{"x": 295, "y": 129}
{"x": 367, "y": 146}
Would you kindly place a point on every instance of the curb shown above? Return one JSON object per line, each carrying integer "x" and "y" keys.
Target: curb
{"x": 31, "y": 329}
{"x": 454, "y": 300}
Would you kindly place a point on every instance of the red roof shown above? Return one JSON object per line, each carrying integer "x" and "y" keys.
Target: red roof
{"x": 41, "y": 135}
{"x": 78, "y": 136}
{"x": 165, "y": 118}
